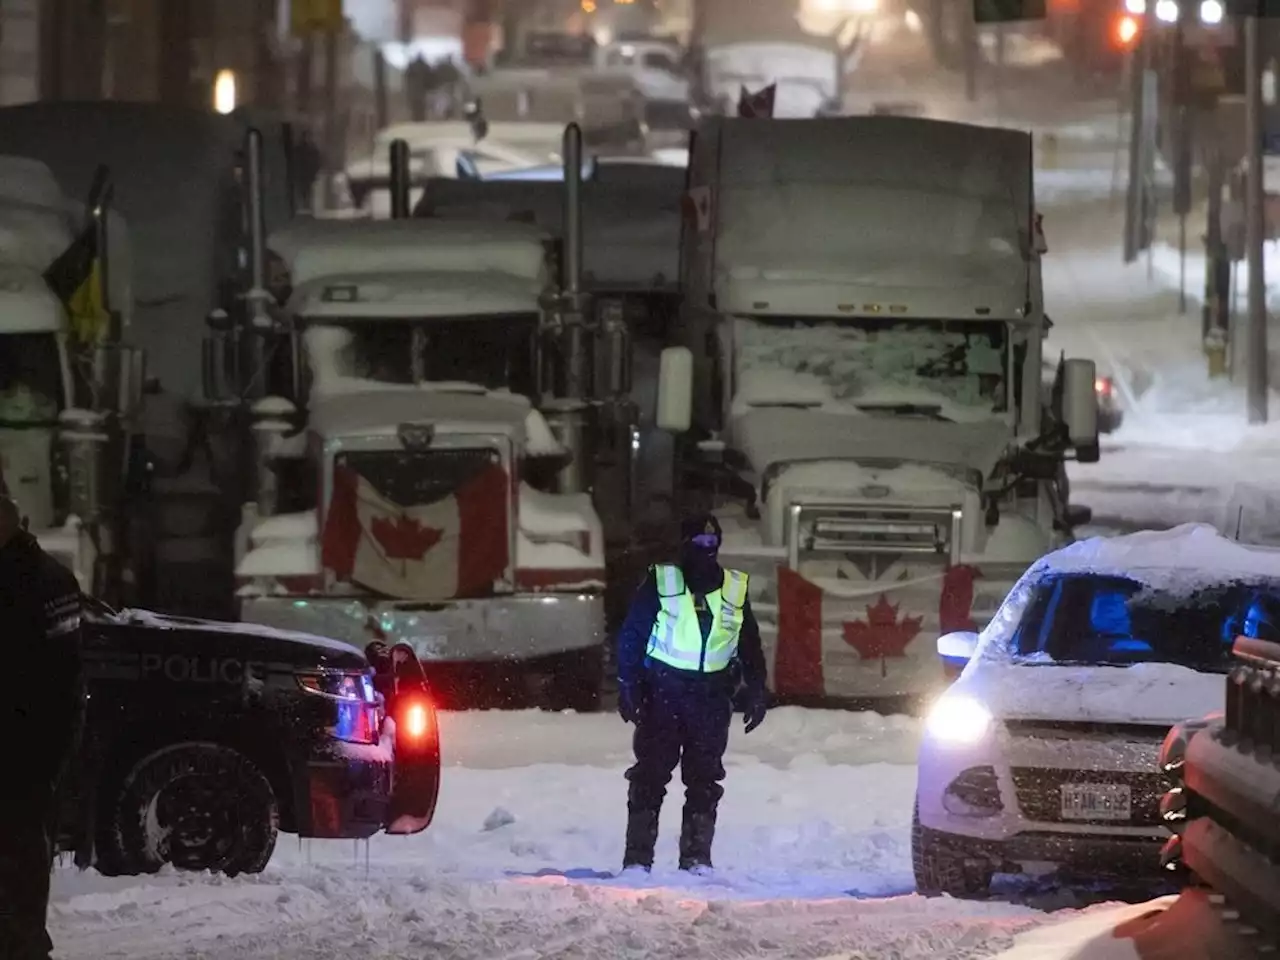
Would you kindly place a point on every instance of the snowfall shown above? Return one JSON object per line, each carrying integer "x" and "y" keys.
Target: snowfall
{"x": 813, "y": 847}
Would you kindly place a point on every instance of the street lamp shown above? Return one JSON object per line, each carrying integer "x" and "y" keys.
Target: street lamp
{"x": 224, "y": 92}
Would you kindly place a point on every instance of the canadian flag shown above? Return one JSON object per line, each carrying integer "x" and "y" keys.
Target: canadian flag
{"x": 757, "y": 105}
{"x": 456, "y": 546}
{"x": 882, "y": 634}
{"x": 698, "y": 206}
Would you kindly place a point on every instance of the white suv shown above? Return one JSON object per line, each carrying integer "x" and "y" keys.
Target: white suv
{"x": 1045, "y": 750}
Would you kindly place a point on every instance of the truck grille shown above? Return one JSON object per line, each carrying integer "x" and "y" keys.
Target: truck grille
{"x": 887, "y": 529}
{"x": 412, "y": 477}
{"x": 1039, "y": 793}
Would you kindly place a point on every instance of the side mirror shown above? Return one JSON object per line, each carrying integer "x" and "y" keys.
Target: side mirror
{"x": 957, "y": 649}
{"x": 674, "y": 413}
{"x": 1080, "y": 407}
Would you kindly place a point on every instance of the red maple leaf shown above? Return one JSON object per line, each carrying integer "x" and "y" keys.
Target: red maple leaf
{"x": 883, "y": 635}
{"x": 404, "y": 538}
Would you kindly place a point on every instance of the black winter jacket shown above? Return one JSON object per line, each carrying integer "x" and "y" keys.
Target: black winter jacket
{"x": 40, "y": 614}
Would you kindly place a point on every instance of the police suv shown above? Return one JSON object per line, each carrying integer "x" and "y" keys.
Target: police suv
{"x": 203, "y": 739}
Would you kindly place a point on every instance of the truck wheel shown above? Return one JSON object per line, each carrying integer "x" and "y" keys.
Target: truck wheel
{"x": 198, "y": 806}
{"x": 578, "y": 682}
{"x": 941, "y": 867}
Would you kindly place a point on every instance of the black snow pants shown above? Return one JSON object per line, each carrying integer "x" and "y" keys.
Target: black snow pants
{"x": 26, "y": 862}
{"x": 684, "y": 721}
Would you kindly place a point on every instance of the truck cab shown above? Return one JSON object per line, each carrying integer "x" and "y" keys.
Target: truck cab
{"x": 861, "y": 381}
{"x": 59, "y": 419}
{"x": 408, "y": 479}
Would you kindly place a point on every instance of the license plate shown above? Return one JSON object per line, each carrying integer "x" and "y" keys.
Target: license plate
{"x": 1096, "y": 801}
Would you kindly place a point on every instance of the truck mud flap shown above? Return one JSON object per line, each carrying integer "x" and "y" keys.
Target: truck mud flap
{"x": 416, "y": 777}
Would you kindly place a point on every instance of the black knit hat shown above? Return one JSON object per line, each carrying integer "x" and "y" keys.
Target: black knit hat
{"x": 699, "y": 524}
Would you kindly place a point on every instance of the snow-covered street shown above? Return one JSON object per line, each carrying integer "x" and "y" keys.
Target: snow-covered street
{"x": 813, "y": 859}
{"x": 813, "y": 848}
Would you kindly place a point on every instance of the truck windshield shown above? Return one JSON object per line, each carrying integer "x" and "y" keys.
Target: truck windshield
{"x": 1114, "y": 621}
{"x": 30, "y": 379}
{"x": 952, "y": 369}
{"x": 495, "y": 351}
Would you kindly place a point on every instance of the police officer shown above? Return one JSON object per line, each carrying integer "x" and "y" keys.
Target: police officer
{"x": 42, "y": 712}
{"x": 689, "y": 642}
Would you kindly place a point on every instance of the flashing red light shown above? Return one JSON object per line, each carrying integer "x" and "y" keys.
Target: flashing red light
{"x": 417, "y": 720}
{"x": 1103, "y": 386}
{"x": 1127, "y": 30}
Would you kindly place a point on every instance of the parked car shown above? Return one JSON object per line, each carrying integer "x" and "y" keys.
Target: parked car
{"x": 1046, "y": 747}
{"x": 203, "y": 739}
{"x": 1110, "y": 413}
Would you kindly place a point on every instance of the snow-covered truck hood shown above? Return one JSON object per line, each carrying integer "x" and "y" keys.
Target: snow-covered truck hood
{"x": 833, "y": 461}
{"x": 366, "y": 410}
{"x": 770, "y": 436}
{"x": 1159, "y": 694}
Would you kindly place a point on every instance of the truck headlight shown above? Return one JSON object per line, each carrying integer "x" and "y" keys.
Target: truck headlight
{"x": 958, "y": 719}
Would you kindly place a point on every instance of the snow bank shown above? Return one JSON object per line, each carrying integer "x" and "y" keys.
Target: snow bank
{"x": 1187, "y": 925}
{"x": 1091, "y": 936}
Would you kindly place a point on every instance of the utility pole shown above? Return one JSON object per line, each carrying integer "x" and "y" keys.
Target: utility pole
{"x": 969, "y": 50}
{"x": 1142, "y": 104}
{"x": 334, "y": 151}
{"x": 1255, "y": 226}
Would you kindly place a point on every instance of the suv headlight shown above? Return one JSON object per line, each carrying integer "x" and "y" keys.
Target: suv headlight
{"x": 958, "y": 719}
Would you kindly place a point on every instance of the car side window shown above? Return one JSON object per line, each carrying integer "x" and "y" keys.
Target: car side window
{"x": 1030, "y": 635}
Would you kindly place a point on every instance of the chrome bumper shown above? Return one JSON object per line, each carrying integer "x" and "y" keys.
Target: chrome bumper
{"x": 517, "y": 627}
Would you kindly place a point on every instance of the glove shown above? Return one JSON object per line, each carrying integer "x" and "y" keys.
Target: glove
{"x": 630, "y": 702}
{"x": 756, "y": 708}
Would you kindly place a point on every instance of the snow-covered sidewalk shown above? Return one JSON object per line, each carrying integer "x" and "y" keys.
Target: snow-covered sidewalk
{"x": 813, "y": 856}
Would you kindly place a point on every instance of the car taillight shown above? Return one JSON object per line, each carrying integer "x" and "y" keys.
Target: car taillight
{"x": 415, "y": 722}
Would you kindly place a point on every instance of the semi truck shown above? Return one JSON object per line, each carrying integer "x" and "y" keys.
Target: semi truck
{"x": 69, "y": 394}
{"x": 421, "y": 446}
{"x": 857, "y": 391}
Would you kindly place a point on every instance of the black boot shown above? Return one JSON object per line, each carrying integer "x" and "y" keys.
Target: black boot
{"x": 696, "y": 834}
{"x": 642, "y": 837}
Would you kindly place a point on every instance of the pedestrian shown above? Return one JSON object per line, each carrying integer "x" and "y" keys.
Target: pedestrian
{"x": 417, "y": 83}
{"x": 308, "y": 164}
{"x": 688, "y": 643}
{"x": 40, "y": 607}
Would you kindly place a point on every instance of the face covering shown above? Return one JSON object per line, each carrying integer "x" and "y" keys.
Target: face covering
{"x": 701, "y": 569}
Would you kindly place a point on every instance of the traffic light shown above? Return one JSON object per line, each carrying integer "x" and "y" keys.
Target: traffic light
{"x": 1008, "y": 11}
{"x": 1127, "y": 28}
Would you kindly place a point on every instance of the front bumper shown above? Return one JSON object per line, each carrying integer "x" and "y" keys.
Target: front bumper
{"x": 344, "y": 793}
{"x": 1000, "y": 800}
{"x": 516, "y": 627}
{"x": 1101, "y": 857}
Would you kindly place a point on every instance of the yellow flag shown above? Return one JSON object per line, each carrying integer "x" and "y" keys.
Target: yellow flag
{"x": 89, "y": 315}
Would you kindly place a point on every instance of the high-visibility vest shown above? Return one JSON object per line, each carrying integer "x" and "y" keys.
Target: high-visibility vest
{"x": 676, "y": 638}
